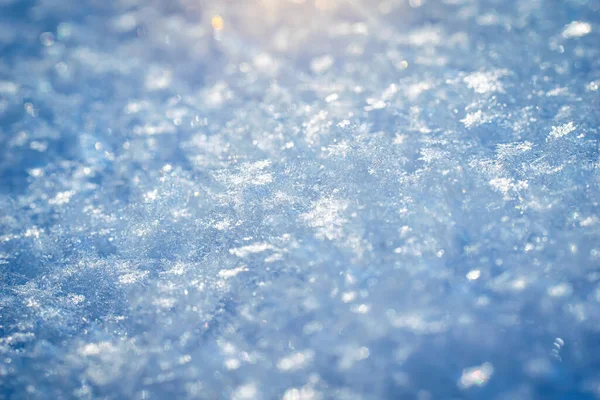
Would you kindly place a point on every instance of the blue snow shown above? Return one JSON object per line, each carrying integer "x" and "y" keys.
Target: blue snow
{"x": 300, "y": 199}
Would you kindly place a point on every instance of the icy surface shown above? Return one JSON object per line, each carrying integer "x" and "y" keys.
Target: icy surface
{"x": 299, "y": 199}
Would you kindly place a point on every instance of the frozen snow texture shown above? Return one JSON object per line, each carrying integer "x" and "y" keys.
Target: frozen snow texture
{"x": 303, "y": 199}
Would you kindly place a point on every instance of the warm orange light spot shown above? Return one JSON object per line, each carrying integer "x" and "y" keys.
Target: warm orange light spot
{"x": 324, "y": 4}
{"x": 217, "y": 22}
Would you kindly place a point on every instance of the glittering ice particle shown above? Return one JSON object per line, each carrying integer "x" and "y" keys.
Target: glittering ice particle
{"x": 321, "y": 64}
{"x": 47, "y": 39}
{"x": 476, "y": 376}
{"x": 485, "y": 82}
{"x": 576, "y": 29}
{"x": 560, "y": 131}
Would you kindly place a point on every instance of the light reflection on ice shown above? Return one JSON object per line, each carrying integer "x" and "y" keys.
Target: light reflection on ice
{"x": 299, "y": 199}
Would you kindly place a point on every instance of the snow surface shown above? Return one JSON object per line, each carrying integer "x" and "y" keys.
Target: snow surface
{"x": 299, "y": 199}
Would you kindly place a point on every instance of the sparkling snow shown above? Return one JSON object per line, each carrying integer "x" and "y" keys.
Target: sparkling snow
{"x": 299, "y": 199}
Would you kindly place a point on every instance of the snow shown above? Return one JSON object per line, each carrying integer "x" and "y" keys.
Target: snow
{"x": 299, "y": 199}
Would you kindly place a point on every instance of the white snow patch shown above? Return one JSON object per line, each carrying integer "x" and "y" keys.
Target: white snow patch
{"x": 560, "y": 131}
{"x": 250, "y": 249}
{"x": 486, "y": 82}
{"x": 326, "y": 218}
{"x": 230, "y": 273}
{"x": 576, "y": 29}
{"x": 474, "y": 119}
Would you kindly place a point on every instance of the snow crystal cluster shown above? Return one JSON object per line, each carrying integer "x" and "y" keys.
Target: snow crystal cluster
{"x": 299, "y": 199}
